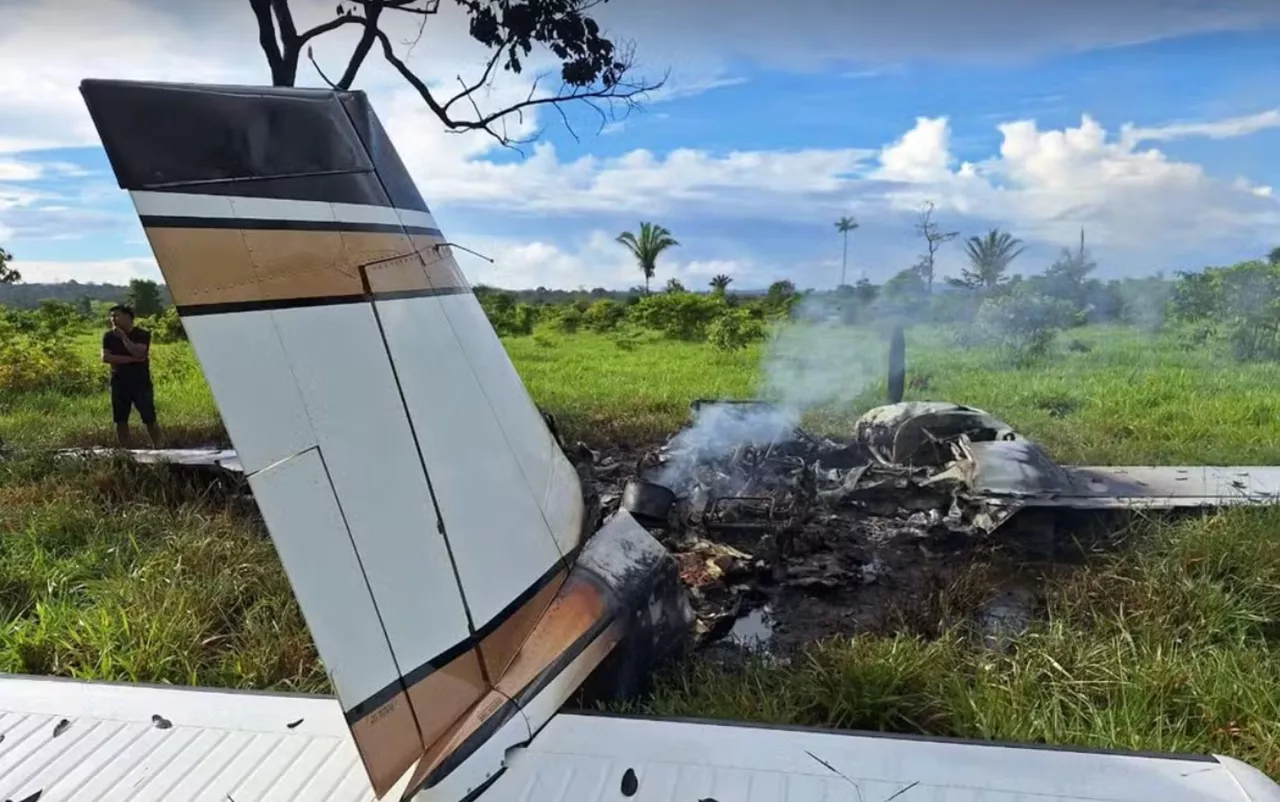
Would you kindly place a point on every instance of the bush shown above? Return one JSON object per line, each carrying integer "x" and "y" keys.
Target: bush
{"x": 568, "y": 320}
{"x": 32, "y": 363}
{"x": 168, "y": 328}
{"x": 507, "y": 317}
{"x": 1023, "y": 322}
{"x": 1241, "y": 304}
{"x": 679, "y": 315}
{"x": 734, "y": 330}
{"x": 57, "y": 317}
{"x": 604, "y": 315}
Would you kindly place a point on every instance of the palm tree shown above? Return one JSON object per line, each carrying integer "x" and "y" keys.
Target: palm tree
{"x": 653, "y": 240}
{"x": 720, "y": 284}
{"x": 844, "y": 225}
{"x": 990, "y": 256}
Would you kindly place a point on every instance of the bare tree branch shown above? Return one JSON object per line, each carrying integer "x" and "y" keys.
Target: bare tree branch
{"x": 311, "y": 56}
{"x": 594, "y": 70}
{"x": 267, "y": 39}
{"x": 372, "y": 11}
{"x": 624, "y": 91}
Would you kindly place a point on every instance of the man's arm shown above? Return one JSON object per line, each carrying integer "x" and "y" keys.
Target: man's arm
{"x": 118, "y": 359}
{"x": 114, "y": 359}
{"x": 137, "y": 350}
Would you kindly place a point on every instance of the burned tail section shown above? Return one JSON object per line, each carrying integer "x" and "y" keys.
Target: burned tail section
{"x": 424, "y": 513}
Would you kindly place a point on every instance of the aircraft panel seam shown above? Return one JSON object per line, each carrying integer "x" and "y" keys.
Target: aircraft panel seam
{"x": 507, "y": 439}
{"x": 422, "y": 462}
{"x": 404, "y": 403}
{"x": 395, "y": 661}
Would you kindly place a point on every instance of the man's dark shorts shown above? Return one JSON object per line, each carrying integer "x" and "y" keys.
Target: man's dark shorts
{"x": 128, "y": 395}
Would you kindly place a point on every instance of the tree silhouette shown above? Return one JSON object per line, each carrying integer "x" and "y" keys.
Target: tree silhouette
{"x": 989, "y": 258}
{"x": 8, "y": 273}
{"x": 646, "y": 248}
{"x": 934, "y": 238}
{"x": 720, "y": 284}
{"x": 845, "y": 225}
{"x": 593, "y": 69}
{"x": 144, "y": 296}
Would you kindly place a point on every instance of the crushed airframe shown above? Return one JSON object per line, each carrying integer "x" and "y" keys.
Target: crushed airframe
{"x": 827, "y": 535}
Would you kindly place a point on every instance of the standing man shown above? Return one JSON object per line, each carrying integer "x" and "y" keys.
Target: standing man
{"x": 126, "y": 348}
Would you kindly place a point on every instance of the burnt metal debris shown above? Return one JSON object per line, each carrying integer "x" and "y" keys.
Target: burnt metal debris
{"x": 769, "y": 520}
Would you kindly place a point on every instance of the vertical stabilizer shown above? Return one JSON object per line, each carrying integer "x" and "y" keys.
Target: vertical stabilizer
{"x": 422, "y": 509}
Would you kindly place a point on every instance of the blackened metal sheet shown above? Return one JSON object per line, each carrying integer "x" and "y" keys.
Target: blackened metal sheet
{"x": 397, "y": 182}
{"x": 1018, "y": 468}
{"x": 298, "y": 144}
{"x": 1022, "y": 470}
{"x": 1167, "y": 487}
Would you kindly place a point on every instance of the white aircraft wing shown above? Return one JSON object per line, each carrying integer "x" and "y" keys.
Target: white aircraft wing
{"x": 67, "y": 740}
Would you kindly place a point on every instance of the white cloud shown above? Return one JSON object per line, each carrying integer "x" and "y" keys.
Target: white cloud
{"x": 449, "y": 169}
{"x": 19, "y": 171}
{"x": 593, "y": 260}
{"x": 922, "y": 154}
{"x": 1045, "y": 184}
{"x": 109, "y": 271}
{"x": 1219, "y": 129}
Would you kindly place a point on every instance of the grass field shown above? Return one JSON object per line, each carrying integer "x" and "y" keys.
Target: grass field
{"x": 1174, "y": 644}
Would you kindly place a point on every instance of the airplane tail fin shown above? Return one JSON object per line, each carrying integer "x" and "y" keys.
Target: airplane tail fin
{"x": 422, "y": 509}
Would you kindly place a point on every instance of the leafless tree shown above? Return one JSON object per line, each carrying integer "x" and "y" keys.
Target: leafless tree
{"x": 934, "y": 239}
{"x": 593, "y": 69}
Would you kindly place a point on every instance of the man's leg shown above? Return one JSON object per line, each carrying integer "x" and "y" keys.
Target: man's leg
{"x": 145, "y": 401}
{"x": 120, "y": 408}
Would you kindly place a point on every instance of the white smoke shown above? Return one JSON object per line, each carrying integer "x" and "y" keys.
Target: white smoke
{"x": 814, "y": 361}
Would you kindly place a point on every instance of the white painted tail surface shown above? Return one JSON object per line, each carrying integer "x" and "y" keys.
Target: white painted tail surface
{"x": 420, "y": 505}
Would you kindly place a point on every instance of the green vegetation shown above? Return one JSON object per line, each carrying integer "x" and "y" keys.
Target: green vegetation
{"x": 647, "y": 247}
{"x": 113, "y": 571}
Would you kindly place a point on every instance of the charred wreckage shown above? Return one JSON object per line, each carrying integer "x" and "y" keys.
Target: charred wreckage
{"x": 782, "y": 537}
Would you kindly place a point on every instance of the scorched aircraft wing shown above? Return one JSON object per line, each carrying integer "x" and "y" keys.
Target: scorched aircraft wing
{"x": 455, "y": 583}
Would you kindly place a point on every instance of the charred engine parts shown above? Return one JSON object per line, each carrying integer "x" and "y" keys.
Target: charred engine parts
{"x": 648, "y": 503}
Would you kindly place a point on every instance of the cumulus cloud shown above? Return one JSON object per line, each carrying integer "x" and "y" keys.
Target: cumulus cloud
{"x": 1046, "y": 184}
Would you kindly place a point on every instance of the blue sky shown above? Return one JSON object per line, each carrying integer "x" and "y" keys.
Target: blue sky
{"x": 1154, "y": 126}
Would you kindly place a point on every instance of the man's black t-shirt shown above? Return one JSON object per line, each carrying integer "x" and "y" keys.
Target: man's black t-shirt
{"x": 134, "y": 374}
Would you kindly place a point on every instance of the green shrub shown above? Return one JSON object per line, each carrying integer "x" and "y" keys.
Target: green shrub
{"x": 604, "y": 315}
{"x": 168, "y": 327}
{"x": 679, "y": 315}
{"x": 36, "y": 362}
{"x": 1022, "y": 322}
{"x": 734, "y": 330}
{"x": 1240, "y": 304}
{"x": 58, "y": 317}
